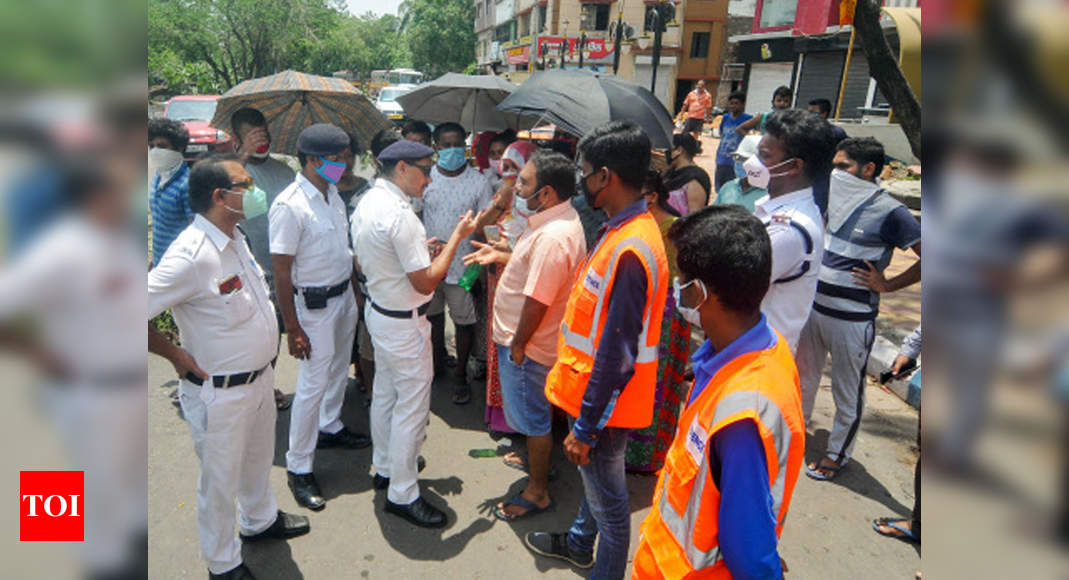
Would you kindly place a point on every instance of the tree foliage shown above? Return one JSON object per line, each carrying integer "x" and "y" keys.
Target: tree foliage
{"x": 440, "y": 34}
{"x": 211, "y": 45}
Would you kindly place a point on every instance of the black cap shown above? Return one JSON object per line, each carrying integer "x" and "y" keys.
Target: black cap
{"x": 405, "y": 150}
{"x": 322, "y": 139}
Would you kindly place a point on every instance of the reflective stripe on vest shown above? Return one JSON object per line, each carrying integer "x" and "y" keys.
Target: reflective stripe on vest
{"x": 682, "y": 526}
{"x": 585, "y": 344}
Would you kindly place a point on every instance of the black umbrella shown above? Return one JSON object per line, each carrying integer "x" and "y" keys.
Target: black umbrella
{"x": 577, "y": 101}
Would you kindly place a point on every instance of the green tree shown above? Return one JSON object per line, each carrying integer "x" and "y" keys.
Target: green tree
{"x": 440, "y": 34}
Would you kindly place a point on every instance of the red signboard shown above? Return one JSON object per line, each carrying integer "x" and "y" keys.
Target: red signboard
{"x": 518, "y": 54}
{"x": 598, "y": 47}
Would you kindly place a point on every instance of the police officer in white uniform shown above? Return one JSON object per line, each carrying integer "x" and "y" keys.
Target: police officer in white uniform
{"x": 797, "y": 147}
{"x": 391, "y": 248}
{"x": 314, "y": 283}
{"x": 217, "y": 292}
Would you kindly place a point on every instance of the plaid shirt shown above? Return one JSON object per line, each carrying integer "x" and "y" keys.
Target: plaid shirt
{"x": 170, "y": 210}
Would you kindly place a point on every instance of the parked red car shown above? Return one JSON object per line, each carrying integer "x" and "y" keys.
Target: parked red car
{"x": 195, "y": 112}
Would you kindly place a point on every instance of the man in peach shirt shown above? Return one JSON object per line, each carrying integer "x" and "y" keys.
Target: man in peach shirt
{"x": 528, "y": 308}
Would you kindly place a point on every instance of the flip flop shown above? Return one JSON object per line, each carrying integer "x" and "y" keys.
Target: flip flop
{"x": 519, "y": 500}
{"x": 461, "y": 395}
{"x": 817, "y": 475}
{"x": 904, "y": 533}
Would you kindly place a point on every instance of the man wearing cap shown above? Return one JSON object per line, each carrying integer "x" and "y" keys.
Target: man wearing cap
{"x": 313, "y": 266}
{"x": 210, "y": 280}
{"x": 392, "y": 249}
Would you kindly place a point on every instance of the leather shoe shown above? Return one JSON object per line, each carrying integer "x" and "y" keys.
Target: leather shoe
{"x": 418, "y": 512}
{"x": 380, "y": 482}
{"x": 345, "y": 439}
{"x": 306, "y": 490}
{"x": 285, "y": 526}
{"x": 239, "y": 573}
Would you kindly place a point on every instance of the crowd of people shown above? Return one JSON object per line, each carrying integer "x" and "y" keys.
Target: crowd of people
{"x": 574, "y": 282}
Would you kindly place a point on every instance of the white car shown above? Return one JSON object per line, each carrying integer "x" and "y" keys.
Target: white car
{"x": 388, "y": 105}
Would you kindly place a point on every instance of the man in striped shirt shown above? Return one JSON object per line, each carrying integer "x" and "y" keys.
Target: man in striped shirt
{"x": 169, "y": 202}
{"x": 865, "y": 225}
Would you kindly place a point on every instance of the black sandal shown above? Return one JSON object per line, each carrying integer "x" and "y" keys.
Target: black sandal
{"x": 461, "y": 395}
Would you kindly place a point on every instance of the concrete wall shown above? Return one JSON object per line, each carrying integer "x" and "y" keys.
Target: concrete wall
{"x": 893, "y": 138}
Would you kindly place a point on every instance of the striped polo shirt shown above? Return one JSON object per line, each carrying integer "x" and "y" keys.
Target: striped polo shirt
{"x": 871, "y": 233}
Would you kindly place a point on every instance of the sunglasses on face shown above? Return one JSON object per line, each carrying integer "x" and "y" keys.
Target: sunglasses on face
{"x": 426, "y": 169}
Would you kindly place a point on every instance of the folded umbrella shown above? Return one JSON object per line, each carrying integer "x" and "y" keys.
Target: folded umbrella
{"x": 291, "y": 101}
{"x": 577, "y": 101}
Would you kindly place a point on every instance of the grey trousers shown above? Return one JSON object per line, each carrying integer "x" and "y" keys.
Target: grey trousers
{"x": 849, "y": 343}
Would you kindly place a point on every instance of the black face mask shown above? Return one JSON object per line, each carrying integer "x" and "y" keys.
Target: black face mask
{"x": 590, "y": 196}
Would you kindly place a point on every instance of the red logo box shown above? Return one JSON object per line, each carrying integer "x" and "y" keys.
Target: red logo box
{"x": 51, "y": 506}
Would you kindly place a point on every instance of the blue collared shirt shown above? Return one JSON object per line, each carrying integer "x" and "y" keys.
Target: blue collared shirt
{"x": 707, "y": 361}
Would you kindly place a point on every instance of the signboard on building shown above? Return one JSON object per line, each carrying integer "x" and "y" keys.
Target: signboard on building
{"x": 597, "y": 48}
{"x": 518, "y": 54}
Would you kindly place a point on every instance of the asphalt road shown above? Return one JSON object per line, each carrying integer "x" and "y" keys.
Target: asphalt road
{"x": 828, "y": 532}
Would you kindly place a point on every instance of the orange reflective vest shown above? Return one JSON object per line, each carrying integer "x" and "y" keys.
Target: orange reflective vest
{"x": 679, "y": 537}
{"x": 584, "y": 318}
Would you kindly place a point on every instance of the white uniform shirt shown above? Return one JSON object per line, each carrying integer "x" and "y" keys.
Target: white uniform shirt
{"x": 304, "y": 225}
{"x": 787, "y": 304}
{"x": 228, "y": 330}
{"x": 445, "y": 200}
{"x": 389, "y": 241}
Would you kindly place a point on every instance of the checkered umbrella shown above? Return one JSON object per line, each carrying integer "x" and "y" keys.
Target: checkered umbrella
{"x": 291, "y": 101}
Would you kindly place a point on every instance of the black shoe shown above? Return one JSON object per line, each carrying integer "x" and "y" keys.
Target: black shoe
{"x": 418, "y": 512}
{"x": 556, "y": 546}
{"x": 345, "y": 439}
{"x": 239, "y": 573}
{"x": 380, "y": 482}
{"x": 286, "y": 526}
{"x": 306, "y": 490}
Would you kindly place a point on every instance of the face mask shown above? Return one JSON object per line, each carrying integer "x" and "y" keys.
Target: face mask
{"x": 590, "y": 196}
{"x": 495, "y": 164}
{"x": 845, "y": 193}
{"x": 758, "y": 175}
{"x": 253, "y": 202}
{"x": 163, "y": 160}
{"x": 522, "y": 205}
{"x": 689, "y": 313}
{"x": 262, "y": 152}
{"x": 509, "y": 174}
{"x": 331, "y": 170}
{"x": 451, "y": 159}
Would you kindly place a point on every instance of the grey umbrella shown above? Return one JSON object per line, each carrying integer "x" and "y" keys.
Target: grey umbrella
{"x": 465, "y": 99}
{"x": 577, "y": 101}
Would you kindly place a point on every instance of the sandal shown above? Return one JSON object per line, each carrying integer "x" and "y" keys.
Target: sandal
{"x": 461, "y": 395}
{"x": 815, "y": 473}
{"x": 903, "y": 533}
{"x": 282, "y": 402}
{"x": 531, "y": 509}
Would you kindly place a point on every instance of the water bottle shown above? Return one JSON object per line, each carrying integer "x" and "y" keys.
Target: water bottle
{"x": 470, "y": 276}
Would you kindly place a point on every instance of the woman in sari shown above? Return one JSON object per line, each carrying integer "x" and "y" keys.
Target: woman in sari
{"x": 687, "y": 184}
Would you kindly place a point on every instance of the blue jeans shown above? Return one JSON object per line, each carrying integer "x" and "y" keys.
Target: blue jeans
{"x": 605, "y": 508}
{"x": 523, "y": 392}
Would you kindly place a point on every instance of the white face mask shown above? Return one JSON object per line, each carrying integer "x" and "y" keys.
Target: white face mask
{"x": 522, "y": 205}
{"x": 758, "y": 175}
{"x": 163, "y": 160}
{"x": 845, "y": 193}
{"x": 689, "y": 313}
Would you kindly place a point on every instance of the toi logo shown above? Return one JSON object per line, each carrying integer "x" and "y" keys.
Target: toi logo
{"x": 50, "y": 506}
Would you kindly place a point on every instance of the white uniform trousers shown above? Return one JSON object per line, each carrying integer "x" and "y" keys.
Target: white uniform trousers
{"x": 105, "y": 431}
{"x": 401, "y": 401}
{"x": 849, "y": 343}
{"x": 322, "y": 377}
{"x": 234, "y": 437}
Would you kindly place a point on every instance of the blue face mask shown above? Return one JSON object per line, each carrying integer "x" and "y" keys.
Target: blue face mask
{"x": 451, "y": 159}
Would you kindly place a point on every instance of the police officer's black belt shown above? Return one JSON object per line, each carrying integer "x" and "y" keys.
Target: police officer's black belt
{"x": 227, "y": 381}
{"x": 401, "y": 313}
{"x": 325, "y": 291}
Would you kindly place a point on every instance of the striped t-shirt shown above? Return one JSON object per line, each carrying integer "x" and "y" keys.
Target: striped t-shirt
{"x": 170, "y": 210}
{"x": 871, "y": 233}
